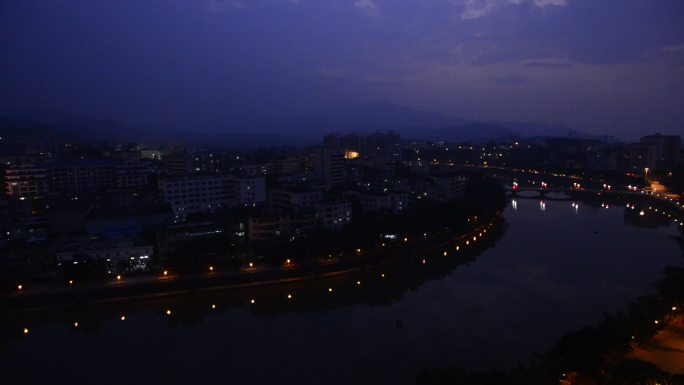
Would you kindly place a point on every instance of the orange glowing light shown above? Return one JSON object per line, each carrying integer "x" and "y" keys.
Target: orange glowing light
{"x": 351, "y": 155}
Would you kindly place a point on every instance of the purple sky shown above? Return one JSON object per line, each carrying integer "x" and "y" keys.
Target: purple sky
{"x": 605, "y": 66}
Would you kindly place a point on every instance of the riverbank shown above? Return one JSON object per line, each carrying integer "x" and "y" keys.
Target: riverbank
{"x": 172, "y": 284}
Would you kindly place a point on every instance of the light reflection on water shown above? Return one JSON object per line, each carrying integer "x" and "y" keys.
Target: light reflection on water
{"x": 553, "y": 270}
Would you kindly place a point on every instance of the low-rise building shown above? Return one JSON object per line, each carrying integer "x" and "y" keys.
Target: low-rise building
{"x": 292, "y": 197}
{"x": 450, "y": 187}
{"x": 119, "y": 255}
{"x": 333, "y": 215}
{"x": 248, "y": 191}
{"x": 290, "y": 226}
{"x": 197, "y": 194}
{"x": 392, "y": 201}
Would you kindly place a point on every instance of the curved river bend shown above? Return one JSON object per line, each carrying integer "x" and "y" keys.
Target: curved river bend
{"x": 556, "y": 267}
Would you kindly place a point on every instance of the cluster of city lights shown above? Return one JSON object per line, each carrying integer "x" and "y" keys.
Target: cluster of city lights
{"x": 465, "y": 240}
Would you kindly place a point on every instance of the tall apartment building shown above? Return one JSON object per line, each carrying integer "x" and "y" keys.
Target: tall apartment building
{"x": 666, "y": 148}
{"x": 642, "y": 157}
{"x": 327, "y": 166}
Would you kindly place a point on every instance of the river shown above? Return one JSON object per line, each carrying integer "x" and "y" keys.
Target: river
{"x": 555, "y": 267}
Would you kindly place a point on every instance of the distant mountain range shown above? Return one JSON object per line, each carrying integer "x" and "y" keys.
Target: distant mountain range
{"x": 297, "y": 130}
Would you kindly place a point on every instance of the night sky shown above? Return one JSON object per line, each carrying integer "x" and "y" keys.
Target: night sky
{"x": 603, "y": 66}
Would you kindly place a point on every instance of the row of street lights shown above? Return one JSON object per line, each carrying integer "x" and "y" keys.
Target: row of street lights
{"x": 472, "y": 236}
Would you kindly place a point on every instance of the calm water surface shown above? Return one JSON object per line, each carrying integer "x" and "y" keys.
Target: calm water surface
{"x": 552, "y": 271}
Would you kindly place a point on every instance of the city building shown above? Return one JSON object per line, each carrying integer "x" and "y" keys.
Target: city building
{"x": 327, "y": 166}
{"x": 26, "y": 181}
{"x": 78, "y": 175}
{"x": 450, "y": 187}
{"x": 248, "y": 191}
{"x": 196, "y": 194}
{"x": 289, "y": 226}
{"x": 119, "y": 255}
{"x": 333, "y": 215}
{"x": 393, "y": 201}
{"x": 293, "y": 197}
{"x": 642, "y": 157}
{"x": 666, "y": 148}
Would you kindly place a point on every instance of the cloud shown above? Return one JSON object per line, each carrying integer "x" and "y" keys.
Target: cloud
{"x": 679, "y": 48}
{"x": 547, "y": 63}
{"x": 367, "y": 6}
{"x": 475, "y": 9}
{"x": 544, "y": 3}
